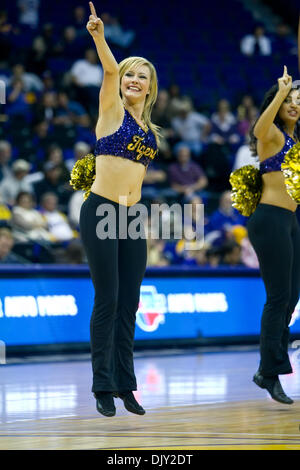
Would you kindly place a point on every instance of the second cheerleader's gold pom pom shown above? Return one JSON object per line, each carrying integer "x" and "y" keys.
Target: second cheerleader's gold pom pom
{"x": 83, "y": 174}
{"x": 291, "y": 172}
{"x": 246, "y": 183}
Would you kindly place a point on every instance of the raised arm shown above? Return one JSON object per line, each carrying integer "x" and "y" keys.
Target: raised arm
{"x": 109, "y": 92}
{"x": 265, "y": 129}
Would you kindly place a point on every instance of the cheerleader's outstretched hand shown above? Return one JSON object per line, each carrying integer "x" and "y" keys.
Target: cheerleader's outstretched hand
{"x": 95, "y": 25}
{"x": 284, "y": 83}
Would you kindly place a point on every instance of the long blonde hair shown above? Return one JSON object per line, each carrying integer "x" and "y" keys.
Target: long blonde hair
{"x": 133, "y": 62}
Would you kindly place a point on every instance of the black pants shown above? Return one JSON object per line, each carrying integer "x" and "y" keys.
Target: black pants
{"x": 275, "y": 235}
{"x": 117, "y": 267}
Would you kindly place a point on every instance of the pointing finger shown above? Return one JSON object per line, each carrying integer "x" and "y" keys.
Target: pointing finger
{"x": 93, "y": 11}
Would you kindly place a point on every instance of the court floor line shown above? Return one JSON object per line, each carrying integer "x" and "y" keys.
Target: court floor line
{"x": 216, "y": 435}
{"x": 67, "y": 434}
{"x": 264, "y": 446}
{"x": 150, "y": 410}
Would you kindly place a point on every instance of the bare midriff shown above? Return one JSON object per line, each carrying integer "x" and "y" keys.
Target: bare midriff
{"x": 274, "y": 191}
{"x": 118, "y": 179}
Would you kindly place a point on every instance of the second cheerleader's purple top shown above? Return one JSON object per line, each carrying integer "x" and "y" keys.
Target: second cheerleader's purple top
{"x": 130, "y": 141}
{"x": 274, "y": 162}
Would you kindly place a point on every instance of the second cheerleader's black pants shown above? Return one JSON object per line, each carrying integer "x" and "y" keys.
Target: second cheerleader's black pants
{"x": 117, "y": 266}
{"x": 275, "y": 235}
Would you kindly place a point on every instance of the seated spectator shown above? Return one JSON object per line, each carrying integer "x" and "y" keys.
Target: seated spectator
{"x": 51, "y": 182}
{"x": 48, "y": 81}
{"x": 4, "y": 77}
{"x": 155, "y": 256}
{"x": 283, "y": 42}
{"x": 5, "y": 159}
{"x": 161, "y": 114}
{"x": 57, "y": 222}
{"x": 200, "y": 256}
{"x": 164, "y": 220}
{"x": 29, "y": 12}
{"x": 166, "y": 155}
{"x": 231, "y": 254}
{"x": 30, "y": 80}
{"x": 6, "y": 246}
{"x": 71, "y": 46}
{"x": 256, "y": 43}
{"x": 56, "y": 156}
{"x": 79, "y": 17}
{"x": 224, "y": 140}
{"x": 244, "y": 156}
{"x": 85, "y": 130}
{"x": 42, "y": 139}
{"x": 68, "y": 113}
{"x": 186, "y": 176}
{"x": 226, "y": 216}
{"x": 46, "y": 109}
{"x": 192, "y": 246}
{"x": 153, "y": 181}
{"x": 27, "y": 223}
{"x": 18, "y": 103}
{"x": 61, "y": 182}
{"x": 248, "y": 255}
{"x": 49, "y": 38}
{"x": 246, "y": 123}
{"x": 224, "y": 130}
{"x": 5, "y": 212}
{"x": 86, "y": 76}
{"x": 213, "y": 257}
{"x": 190, "y": 127}
{"x": 74, "y": 207}
{"x": 65, "y": 190}
{"x": 236, "y": 233}
{"x": 191, "y": 252}
{"x": 80, "y": 149}
{"x": 194, "y": 215}
{"x": 223, "y": 118}
{"x": 37, "y": 57}
{"x": 114, "y": 33}
{"x": 171, "y": 254}
{"x": 7, "y": 34}
{"x": 246, "y": 114}
{"x": 73, "y": 253}
{"x": 176, "y": 99}
{"x": 160, "y": 109}
{"x": 12, "y": 185}
{"x": 152, "y": 226}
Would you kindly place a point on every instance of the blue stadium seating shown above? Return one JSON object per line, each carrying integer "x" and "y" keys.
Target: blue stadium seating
{"x": 195, "y": 45}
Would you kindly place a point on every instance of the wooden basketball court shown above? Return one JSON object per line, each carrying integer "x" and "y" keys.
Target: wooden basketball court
{"x": 193, "y": 400}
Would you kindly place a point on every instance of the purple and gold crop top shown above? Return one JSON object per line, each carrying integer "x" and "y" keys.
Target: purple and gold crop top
{"x": 274, "y": 162}
{"x": 130, "y": 141}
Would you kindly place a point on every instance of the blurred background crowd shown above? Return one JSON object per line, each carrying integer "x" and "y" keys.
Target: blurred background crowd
{"x": 214, "y": 65}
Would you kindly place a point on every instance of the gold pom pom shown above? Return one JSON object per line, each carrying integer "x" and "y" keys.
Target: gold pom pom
{"x": 246, "y": 183}
{"x": 83, "y": 174}
{"x": 291, "y": 172}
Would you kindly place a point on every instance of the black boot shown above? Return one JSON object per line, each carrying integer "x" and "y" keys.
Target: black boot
{"x": 130, "y": 402}
{"x": 273, "y": 385}
{"x": 105, "y": 403}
